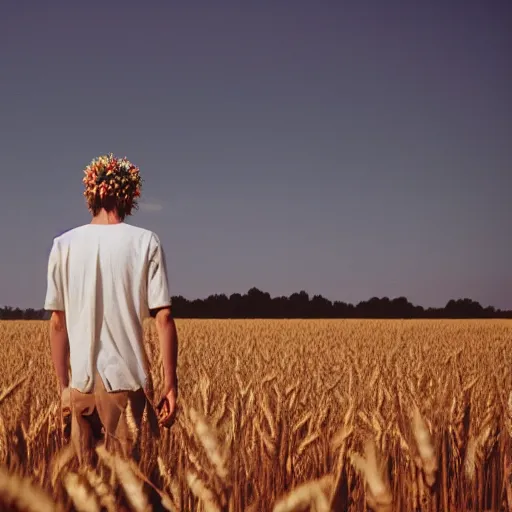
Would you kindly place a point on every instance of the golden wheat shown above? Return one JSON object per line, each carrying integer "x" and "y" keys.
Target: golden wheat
{"x": 282, "y": 415}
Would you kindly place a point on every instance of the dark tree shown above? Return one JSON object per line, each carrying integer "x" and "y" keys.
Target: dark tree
{"x": 258, "y": 304}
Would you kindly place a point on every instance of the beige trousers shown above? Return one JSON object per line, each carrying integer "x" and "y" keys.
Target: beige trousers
{"x": 115, "y": 417}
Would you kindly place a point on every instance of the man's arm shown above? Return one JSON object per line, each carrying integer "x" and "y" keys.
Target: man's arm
{"x": 54, "y": 302}
{"x": 159, "y": 305}
{"x": 168, "y": 337}
{"x": 60, "y": 347}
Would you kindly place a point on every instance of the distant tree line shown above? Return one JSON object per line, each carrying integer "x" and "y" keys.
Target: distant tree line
{"x": 258, "y": 304}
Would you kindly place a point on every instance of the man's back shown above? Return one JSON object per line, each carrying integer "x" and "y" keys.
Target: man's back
{"x": 107, "y": 277}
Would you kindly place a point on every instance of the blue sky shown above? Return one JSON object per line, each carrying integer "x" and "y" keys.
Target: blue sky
{"x": 347, "y": 149}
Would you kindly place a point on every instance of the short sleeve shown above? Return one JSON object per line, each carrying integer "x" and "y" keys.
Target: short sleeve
{"x": 54, "y": 300}
{"x": 158, "y": 285}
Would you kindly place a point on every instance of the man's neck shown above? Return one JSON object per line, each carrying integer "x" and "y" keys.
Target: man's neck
{"x": 105, "y": 217}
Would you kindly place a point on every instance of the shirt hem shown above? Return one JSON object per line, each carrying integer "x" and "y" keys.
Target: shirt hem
{"x": 167, "y": 305}
{"x": 53, "y": 307}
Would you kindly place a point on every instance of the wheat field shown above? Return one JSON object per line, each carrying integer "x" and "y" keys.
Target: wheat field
{"x": 282, "y": 415}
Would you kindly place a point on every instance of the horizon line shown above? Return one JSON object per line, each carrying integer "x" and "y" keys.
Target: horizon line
{"x": 310, "y": 297}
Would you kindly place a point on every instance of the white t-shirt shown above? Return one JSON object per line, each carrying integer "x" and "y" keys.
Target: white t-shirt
{"x": 106, "y": 278}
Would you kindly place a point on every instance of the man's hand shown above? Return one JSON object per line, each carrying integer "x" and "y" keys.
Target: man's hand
{"x": 167, "y": 408}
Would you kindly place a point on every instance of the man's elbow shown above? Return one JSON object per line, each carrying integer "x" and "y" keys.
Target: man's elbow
{"x": 58, "y": 321}
{"x": 163, "y": 318}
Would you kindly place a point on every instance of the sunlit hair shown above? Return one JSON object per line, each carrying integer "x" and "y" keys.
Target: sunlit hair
{"x": 113, "y": 184}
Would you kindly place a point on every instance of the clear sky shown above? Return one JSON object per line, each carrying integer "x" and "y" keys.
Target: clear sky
{"x": 350, "y": 149}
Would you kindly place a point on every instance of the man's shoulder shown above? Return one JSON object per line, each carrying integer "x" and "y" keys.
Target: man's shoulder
{"x": 68, "y": 235}
{"x": 128, "y": 230}
{"x": 145, "y": 233}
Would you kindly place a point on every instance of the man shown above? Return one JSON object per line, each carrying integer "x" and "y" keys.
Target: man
{"x": 104, "y": 278}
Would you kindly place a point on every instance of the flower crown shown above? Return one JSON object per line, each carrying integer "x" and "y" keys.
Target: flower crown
{"x": 109, "y": 176}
